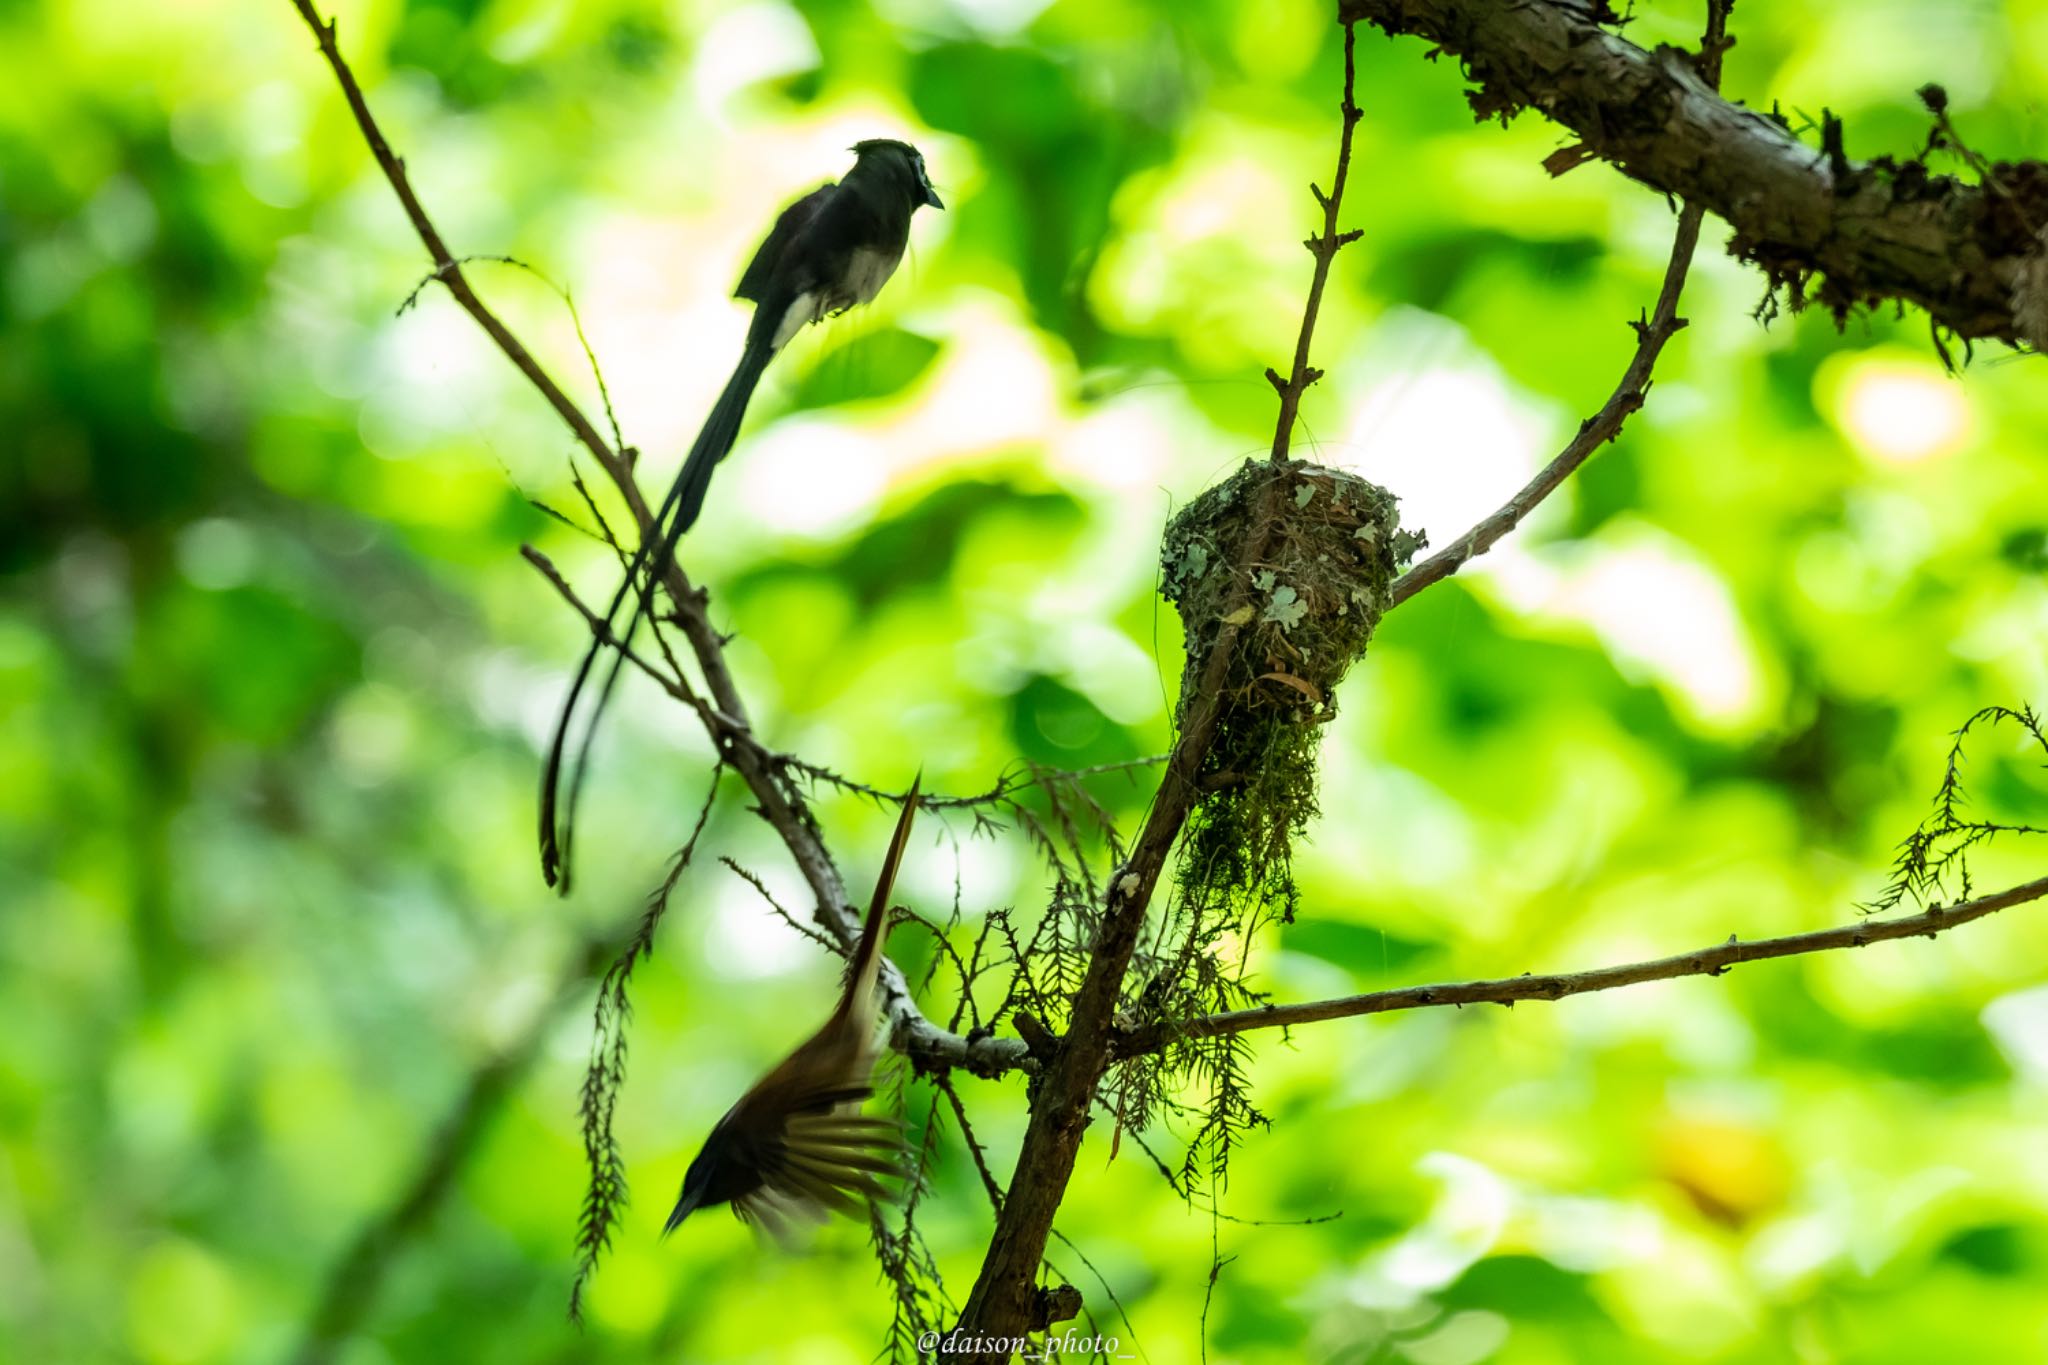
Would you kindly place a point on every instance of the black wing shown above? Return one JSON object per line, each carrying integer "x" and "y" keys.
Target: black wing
{"x": 754, "y": 283}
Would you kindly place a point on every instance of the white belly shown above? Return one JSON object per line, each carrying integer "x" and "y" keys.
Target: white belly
{"x": 866, "y": 273}
{"x": 869, "y": 271}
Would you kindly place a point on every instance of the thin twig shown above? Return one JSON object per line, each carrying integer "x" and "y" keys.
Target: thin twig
{"x": 1593, "y": 433}
{"x": 1324, "y": 247}
{"x": 1709, "y": 961}
{"x": 752, "y": 879}
{"x": 989, "y": 1184}
{"x": 1603, "y": 426}
{"x": 449, "y": 270}
{"x": 674, "y": 684}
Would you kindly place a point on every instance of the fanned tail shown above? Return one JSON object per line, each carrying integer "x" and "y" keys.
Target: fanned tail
{"x": 677, "y": 514}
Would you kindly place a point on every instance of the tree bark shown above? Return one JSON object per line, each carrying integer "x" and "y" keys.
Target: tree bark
{"x": 1824, "y": 228}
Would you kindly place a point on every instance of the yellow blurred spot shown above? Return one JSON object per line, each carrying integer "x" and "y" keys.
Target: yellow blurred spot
{"x": 181, "y": 1304}
{"x": 1731, "y": 1171}
{"x": 1896, "y": 408}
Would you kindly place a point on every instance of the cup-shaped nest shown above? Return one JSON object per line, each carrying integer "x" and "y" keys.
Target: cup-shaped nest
{"x": 1298, "y": 559}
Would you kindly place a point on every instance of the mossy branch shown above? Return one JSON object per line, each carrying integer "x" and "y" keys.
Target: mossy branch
{"x": 1819, "y": 225}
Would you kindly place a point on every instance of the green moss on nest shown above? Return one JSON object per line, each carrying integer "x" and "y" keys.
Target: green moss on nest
{"x": 1329, "y": 545}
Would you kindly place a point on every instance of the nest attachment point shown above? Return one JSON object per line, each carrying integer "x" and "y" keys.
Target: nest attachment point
{"x": 1299, "y": 560}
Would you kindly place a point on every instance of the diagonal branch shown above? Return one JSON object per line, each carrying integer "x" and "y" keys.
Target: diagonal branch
{"x": 1596, "y": 431}
{"x": 448, "y": 270}
{"x": 777, "y": 798}
{"x": 1711, "y": 961}
{"x": 1603, "y": 426}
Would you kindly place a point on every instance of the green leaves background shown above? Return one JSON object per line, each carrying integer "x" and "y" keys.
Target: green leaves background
{"x": 272, "y": 675}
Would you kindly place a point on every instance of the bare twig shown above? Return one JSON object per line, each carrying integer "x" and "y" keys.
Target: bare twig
{"x": 1593, "y": 433}
{"x": 753, "y": 879}
{"x": 1603, "y": 426}
{"x": 449, "y": 270}
{"x": 1324, "y": 247}
{"x": 1710, "y": 961}
{"x": 989, "y": 1184}
{"x": 674, "y": 683}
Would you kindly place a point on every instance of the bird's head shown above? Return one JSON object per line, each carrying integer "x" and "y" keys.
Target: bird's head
{"x": 900, "y": 164}
{"x": 696, "y": 1184}
{"x": 719, "y": 1175}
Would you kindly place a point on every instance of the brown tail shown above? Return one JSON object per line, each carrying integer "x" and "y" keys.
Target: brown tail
{"x": 858, "y": 1002}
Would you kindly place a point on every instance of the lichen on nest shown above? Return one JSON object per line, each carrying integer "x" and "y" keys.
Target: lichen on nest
{"x": 1300, "y": 559}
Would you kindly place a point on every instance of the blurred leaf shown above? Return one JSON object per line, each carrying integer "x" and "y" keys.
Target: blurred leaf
{"x": 881, "y": 363}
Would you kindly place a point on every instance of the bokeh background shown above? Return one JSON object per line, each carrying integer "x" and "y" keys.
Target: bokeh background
{"x": 273, "y": 678}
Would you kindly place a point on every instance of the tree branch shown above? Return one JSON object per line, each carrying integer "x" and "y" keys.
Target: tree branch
{"x": 448, "y": 270}
{"x": 1324, "y": 247}
{"x": 1596, "y": 431}
{"x": 1000, "y": 1308}
{"x": 1875, "y": 231}
{"x": 1711, "y": 961}
{"x": 1604, "y": 425}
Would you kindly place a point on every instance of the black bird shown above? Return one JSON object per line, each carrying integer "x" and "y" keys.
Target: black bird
{"x": 797, "y": 1143}
{"x": 830, "y": 251}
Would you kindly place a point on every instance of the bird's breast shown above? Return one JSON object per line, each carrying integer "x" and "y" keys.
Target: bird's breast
{"x": 867, "y": 271}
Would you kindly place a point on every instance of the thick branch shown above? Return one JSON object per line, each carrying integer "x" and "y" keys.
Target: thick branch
{"x": 1710, "y": 961}
{"x": 1875, "y": 230}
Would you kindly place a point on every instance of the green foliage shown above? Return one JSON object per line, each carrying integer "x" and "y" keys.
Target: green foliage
{"x": 272, "y": 676}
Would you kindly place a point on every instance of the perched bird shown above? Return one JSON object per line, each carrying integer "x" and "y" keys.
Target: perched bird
{"x": 830, "y": 251}
{"x": 797, "y": 1143}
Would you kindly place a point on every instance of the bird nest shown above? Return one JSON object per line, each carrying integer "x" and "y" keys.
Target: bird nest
{"x": 1297, "y": 560}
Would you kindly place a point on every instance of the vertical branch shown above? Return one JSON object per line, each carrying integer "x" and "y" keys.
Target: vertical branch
{"x": 1324, "y": 247}
{"x": 1002, "y": 1306}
